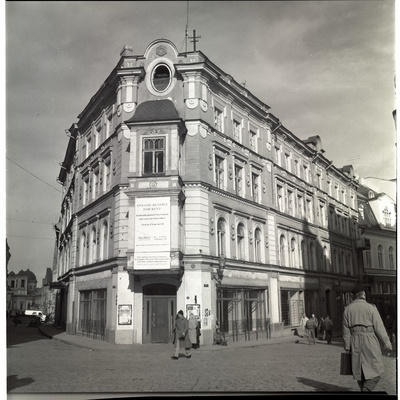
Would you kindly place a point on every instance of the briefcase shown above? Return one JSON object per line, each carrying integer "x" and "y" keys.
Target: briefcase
{"x": 345, "y": 364}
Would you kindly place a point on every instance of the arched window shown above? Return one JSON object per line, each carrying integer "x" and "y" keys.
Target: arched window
{"x": 82, "y": 250}
{"x": 391, "y": 257}
{"x": 221, "y": 237}
{"x": 282, "y": 246}
{"x": 92, "y": 246}
{"x": 104, "y": 241}
{"x": 293, "y": 253}
{"x": 257, "y": 245}
{"x": 241, "y": 244}
{"x": 380, "y": 256}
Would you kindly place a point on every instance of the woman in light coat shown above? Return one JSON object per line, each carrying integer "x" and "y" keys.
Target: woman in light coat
{"x": 193, "y": 322}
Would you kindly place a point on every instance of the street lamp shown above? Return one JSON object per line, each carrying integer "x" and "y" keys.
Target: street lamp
{"x": 219, "y": 274}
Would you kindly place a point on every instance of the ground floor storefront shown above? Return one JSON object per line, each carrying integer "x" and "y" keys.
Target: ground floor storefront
{"x": 125, "y": 306}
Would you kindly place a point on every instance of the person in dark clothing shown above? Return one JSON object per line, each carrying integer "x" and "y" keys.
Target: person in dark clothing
{"x": 328, "y": 324}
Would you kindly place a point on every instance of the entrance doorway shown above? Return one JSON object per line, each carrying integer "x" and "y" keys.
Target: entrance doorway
{"x": 159, "y": 310}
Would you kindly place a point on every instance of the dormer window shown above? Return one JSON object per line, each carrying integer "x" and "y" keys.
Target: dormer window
{"x": 161, "y": 78}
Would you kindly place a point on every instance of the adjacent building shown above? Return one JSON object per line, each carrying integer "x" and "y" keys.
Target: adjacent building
{"x": 24, "y": 294}
{"x": 181, "y": 190}
{"x": 377, "y": 220}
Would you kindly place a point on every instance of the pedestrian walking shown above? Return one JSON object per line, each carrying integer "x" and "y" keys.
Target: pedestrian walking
{"x": 302, "y": 327}
{"x": 181, "y": 336}
{"x": 362, "y": 326}
{"x": 311, "y": 325}
{"x": 192, "y": 330}
{"x": 328, "y": 325}
{"x": 321, "y": 328}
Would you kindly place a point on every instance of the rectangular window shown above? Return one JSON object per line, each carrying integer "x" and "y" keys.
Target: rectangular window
{"x": 108, "y": 125}
{"x": 296, "y": 168}
{"x": 306, "y": 173}
{"x": 97, "y": 137}
{"x": 237, "y": 131}
{"x": 300, "y": 206}
{"x": 219, "y": 172}
{"x": 368, "y": 258}
{"x": 280, "y": 198}
{"x": 153, "y": 155}
{"x": 106, "y": 177}
{"x": 218, "y": 119}
{"x": 13, "y": 284}
{"x": 287, "y": 162}
{"x": 253, "y": 140}
{"x": 88, "y": 146}
{"x": 85, "y": 197}
{"x": 255, "y": 185}
{"x": 278, "y": 155}
{"x": 291, "y": 205}
{"x": 95, "y": 189}
{"x": 22, "y": 283}
{"x": 238, "y": 180}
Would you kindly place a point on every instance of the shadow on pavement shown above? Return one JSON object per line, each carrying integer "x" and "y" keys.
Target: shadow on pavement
{"x": 322, "y": 386}
{"x": 13, "y": 382}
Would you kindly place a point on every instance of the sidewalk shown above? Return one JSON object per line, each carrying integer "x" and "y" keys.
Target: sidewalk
{"x": 52, "y": 332}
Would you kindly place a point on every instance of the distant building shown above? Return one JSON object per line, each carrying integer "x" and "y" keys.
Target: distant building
{"x": 378, "y": 221}
{"x": 181, "y": 190}
{"x": 23, "y": 287}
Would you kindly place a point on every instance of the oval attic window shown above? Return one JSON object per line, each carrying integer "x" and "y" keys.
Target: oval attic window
{"x": 161, "y": 77}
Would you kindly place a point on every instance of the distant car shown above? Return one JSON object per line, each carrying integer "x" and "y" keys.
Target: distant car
{"x": 37, "y": 313}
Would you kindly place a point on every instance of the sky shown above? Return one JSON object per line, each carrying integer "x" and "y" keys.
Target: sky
{"x": 325, "y": 68}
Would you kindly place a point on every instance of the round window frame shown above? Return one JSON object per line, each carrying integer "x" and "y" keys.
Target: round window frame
{"x": 162, "y": 64}
{"x": 149, "y": 76}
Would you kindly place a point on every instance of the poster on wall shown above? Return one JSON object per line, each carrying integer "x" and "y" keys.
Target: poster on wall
{"x": 125, "y": 314}
{"x": 152, "y": 224}
{"x": 152, "y": 233}
{"x": 193, "y": 309}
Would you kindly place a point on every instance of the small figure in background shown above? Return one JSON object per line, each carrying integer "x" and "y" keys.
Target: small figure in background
{"x": 302, "y": 328}
{"x": 312, "y": 326}
{"x": 219, "y": 337}
{"x": 328, "y": 329}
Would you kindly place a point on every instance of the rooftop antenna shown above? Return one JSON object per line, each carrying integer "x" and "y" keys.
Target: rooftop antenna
{"x": 187, "y": 24}
{"x": 195, "y": 39}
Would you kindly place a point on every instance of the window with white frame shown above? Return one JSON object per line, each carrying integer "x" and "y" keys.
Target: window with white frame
{"x": 296, "y": 168}
{"x": 380, "y": 257}
{"x": 257, "y": 245}
{"x": 88, "y": 146}
{"x": 329, "y": 183}
{"x": 92, "y": 246}
{"x": 239, "y": 180}
{"x": 82, "y": 249}
{"x": 291, "y": 205}
{"x": 154, "y": 155}
{"x": 278, "y": 155}
{"x": 104, "y": 241}
{"x": 253, "y": 140}
{"x": 219, "y": 119}
{"x": 293, "y": 253}
{"x": 310, "y": 214}
{"x": 306, "y": 173}
{"x": 237, "y": 131}
{"x": 241, "y": 242}
{"x": 95, "y": 190}
{"x": 300, "y": 206}
{"x": 368, "y": 259}
{"x": 255, "y": 186}
{"x": 287, "y": 162}
{"x": 219, "y": 172}
{"x": 391, "y": 258}
{"x": 280, "y": 197}
{"x": 221, "y": 237}
{"x": 108, "y": 125}
{"x": 282, "y": 249}
{"x": 97, "y": 136}
{"x": 386, "y": 216}
{"x": 106, "y": 175}
{"x": 85, "y": 194}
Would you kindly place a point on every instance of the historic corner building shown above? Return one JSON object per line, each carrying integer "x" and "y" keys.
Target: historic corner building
{"x": 181, "y": 190}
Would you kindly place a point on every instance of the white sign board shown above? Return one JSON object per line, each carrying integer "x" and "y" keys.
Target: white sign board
{"x": 152, "y": 233}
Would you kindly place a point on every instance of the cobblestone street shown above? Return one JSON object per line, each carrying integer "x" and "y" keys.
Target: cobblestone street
{"x": 42, "y": 365}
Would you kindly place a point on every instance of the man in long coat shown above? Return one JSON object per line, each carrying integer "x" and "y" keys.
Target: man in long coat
{"x": 362, "y": 326}
{"x": 181, "y": 336}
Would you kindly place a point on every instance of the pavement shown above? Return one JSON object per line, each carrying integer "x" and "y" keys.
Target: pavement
{"x": 53, "y": 332}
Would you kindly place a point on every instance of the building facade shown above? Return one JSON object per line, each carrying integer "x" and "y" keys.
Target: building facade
{"x": 378, "y": 221}
{"x": 24, "y": 294}
{"x": 181, "y": 190}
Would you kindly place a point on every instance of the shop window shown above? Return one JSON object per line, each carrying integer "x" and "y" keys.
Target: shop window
{"x": 92, "y": 313}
